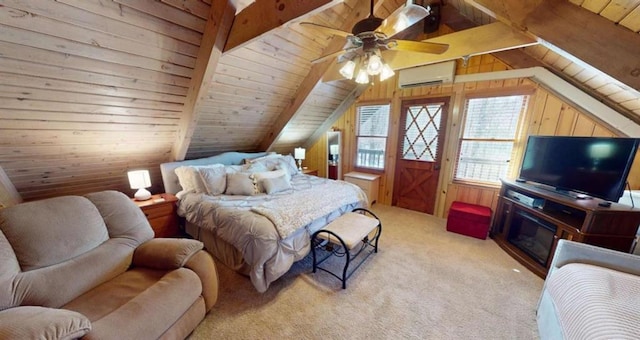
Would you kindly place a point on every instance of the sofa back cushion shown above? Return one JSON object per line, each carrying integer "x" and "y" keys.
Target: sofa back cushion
{"x": 48, "y": 232}
{"x": 91, "y": 240}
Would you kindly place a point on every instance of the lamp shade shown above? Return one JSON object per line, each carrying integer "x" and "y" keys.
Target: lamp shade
{"x": 299, "y": 153}
{"x": 333, "y": 149}
{"x": 139, "y": 179}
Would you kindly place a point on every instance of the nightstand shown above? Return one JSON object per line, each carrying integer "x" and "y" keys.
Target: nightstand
{"x": 312, "y": 172}
{"x": 369, "y": 183}
{"x": 161, "y": 211}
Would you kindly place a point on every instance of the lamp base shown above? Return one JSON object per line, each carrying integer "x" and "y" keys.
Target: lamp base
{"x": 300, "y": 164}
{"x": 142, "y": 195}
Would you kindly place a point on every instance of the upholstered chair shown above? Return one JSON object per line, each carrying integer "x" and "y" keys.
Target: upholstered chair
{"x": 88, "y": 266}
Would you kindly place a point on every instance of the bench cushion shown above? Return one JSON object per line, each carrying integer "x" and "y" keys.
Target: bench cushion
{"x": 351, "y": 227}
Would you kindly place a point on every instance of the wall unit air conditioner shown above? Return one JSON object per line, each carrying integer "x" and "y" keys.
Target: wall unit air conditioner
{"x": 434, "y": 74}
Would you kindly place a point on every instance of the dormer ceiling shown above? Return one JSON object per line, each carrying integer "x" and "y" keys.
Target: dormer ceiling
{"x": 92, "y": 88}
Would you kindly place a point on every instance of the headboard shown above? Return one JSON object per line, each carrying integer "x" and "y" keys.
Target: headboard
{"x": 170, "y": 179}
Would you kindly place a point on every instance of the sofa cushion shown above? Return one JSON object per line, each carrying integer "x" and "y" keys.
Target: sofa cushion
{"x": 122, "y": 218}
{"x": 155, "y": 299}
{"x": 47, "y": 232}
{"x": 595, "y": 302}
{"x": 31, "y": 322}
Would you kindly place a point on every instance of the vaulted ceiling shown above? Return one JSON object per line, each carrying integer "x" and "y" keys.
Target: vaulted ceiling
{"x": 92, "y": 88}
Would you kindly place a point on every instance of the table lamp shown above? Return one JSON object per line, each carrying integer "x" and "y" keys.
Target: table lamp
{"x": 299, "y": 153}
{"x": 139, "y": 179}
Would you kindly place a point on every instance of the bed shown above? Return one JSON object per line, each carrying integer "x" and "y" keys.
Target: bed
{"x": 262, "y": 233}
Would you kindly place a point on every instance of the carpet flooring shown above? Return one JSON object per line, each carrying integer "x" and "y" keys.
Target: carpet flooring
{"x": 424, "y": 283}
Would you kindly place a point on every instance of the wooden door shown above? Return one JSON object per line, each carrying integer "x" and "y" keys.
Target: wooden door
{"x": 422, "y": 135}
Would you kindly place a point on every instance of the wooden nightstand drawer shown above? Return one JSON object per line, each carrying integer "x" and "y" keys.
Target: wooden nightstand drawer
{"x": 161, "y": 212}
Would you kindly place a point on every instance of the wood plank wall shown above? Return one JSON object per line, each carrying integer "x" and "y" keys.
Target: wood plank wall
{"x": 91, "y": 89}
{"x": 548, "y": 114}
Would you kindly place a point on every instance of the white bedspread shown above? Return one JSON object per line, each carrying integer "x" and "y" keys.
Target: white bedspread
{"x": 269, "y": 255}
{"x": 292, "y": 212}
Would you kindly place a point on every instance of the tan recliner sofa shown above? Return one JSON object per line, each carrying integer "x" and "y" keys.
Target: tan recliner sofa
{"x": 89, "y": 267}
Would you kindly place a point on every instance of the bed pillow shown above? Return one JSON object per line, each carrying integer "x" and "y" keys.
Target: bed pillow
{"x": 190, "y": 179}
{"x": 276, "y": 184}
{"x": 240, "y": 183}
{"x": 287, "y": 162}
{"x": 215, "y": 179}
{"x": 255, "y": 167}
{"x": 260, "y": 176}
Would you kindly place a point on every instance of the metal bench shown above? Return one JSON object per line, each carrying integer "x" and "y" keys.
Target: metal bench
{"x": 348, "y": 236}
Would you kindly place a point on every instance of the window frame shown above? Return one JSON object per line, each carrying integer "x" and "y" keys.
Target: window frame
{"x": 357, "y": 135}
{"x": 518, "y": 139}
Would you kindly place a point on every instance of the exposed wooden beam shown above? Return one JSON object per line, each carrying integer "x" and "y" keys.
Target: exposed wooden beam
{"x": 473, "y": 41}
{"x": 589, "y": 37}
{"x": 264, "y": 15}
{"x": 575, "y": 33}
{"x": 360, "y": 11}
{"x": 217, "y": 29}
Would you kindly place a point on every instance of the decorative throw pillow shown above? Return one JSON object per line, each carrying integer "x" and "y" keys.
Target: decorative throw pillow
{"x": 260, "y": 176}
{"x": 240, "y": 183}
{"x": 190, "y": 178}
{"x": 231, "y": 169}
{"x": 290, "y": 164}
{"x": 214, "y": 179}
{"x": 276, "y": 184}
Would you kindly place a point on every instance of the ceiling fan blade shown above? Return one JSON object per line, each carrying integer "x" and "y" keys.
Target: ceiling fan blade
{"x": 327, "y": 57}
{"x": 419, "y": 46}
{"x": 402, "y": 18}
{"x": 326, "y": 29}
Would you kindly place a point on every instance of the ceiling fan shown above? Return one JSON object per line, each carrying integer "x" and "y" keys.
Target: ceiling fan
{"x": 370, "y": 38}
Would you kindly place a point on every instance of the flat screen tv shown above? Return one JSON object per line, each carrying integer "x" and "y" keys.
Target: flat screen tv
{"x": 595, "y": 166}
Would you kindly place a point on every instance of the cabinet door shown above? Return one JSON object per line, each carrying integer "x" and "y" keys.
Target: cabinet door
{"x": 502, "y": 218}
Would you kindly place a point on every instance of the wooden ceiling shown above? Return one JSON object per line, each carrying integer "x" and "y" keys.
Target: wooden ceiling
{"x": 93, "y": 88}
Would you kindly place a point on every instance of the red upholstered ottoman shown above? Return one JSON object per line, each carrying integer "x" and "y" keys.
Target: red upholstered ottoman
{"x": 469, "y": 219}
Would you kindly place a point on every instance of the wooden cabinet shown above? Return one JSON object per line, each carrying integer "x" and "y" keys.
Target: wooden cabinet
{"x": 369, "y": 183}
{"x": 530, "y": 220}
{"x": 161, "y": 211}
{"x": 313, "y": 172}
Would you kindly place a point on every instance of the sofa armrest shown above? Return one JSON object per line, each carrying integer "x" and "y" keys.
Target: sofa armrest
{"x": 202, "y": 264}
{"x": 31, "y": 322}
{"x": 574, "y": 252}
{"x": 165, "y": 253}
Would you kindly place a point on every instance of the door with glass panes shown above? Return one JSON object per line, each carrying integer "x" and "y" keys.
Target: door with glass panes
{"x": 422, "y": 135}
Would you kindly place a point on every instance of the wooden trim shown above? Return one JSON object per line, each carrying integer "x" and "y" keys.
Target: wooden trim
{"x": 263, "y": 16}
{"x": 316, "y": 73}
{"x": 216, "y": 31}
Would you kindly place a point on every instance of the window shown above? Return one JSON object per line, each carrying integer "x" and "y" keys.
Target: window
{"x": 371, "y": 135}
{"x": 489, "y": 132}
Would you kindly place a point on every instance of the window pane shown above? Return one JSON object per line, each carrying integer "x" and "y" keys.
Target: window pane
{"x": 496, "y": 117}
{"x": 421, "y": 132}
{"x": 371, "y": 152}
{"x": 484, "y": 161}
{"x": 373, "y": 120}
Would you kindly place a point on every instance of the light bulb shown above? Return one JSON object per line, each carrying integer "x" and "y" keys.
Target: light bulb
{"x": 386, "y": 72}
{"x": 348, "y": 69}
{"x": 374, "y": 65}
{"x": 363, "y": 77}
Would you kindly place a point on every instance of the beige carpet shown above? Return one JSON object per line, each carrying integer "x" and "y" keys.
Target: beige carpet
{"x": 424, "y": 283}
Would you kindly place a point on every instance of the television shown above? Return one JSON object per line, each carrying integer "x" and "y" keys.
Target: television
{"x": 593, "y": 166}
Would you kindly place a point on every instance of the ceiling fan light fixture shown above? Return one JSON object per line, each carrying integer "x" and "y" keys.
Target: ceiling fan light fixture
{"x": 374, "y": 65}
{"x": 348, "y": 69}
{"x": 386, "y": 72}
{"x": 363, "y": 77}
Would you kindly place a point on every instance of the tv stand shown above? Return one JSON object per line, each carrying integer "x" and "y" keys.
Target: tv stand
{"x": 530, "y": 220}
